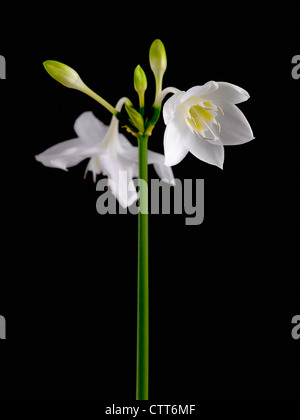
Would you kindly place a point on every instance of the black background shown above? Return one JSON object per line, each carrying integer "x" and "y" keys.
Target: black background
{"x": 223, "y": 293}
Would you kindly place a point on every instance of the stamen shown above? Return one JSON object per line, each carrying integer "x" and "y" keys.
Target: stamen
{"x": 221, "y": 110}
{"x": 202, "y": 137}
{"x": 209, "y": 127}
{"x": 191, "y": 123}
{"x": 219, "y": 127}
{"x": 208, "y": 105}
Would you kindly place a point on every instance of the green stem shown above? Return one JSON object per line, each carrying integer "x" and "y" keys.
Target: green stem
{"x": 99, "y": 99}
{"x": 142, "y": 362}
{"x": 158, "y": 84}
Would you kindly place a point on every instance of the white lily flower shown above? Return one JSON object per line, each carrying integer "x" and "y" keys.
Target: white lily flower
{"x": 110, "y": 153}
{"x": 203, "y": 120}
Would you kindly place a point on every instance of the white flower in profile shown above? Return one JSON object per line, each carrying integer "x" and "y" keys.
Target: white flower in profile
{"x": 203, "y": 120}
{"x": 110, "y": 153}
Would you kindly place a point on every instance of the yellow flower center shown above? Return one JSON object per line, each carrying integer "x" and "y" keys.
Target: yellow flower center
{"x": 201, "y": 117}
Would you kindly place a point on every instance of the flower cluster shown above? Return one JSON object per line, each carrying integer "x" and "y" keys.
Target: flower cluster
{"x": 201, "y": 120}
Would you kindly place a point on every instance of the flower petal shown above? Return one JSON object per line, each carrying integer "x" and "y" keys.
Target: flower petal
{"x": 94, "y": 166}
{"x": 65, "y": 154}
{"x": 120, "y": 172}
{"x": 175, "y": 137}
{"x": 170, "y": 107}
{"x": 126, "y": 149}
{"x": 235, "y": 129}
{"x": 89, "y": 128}
{"x": 229, "y": 93}
{"x": 163, "y": 171}
{"x": 207, "y": 151}
{"x": 199, "y": 91}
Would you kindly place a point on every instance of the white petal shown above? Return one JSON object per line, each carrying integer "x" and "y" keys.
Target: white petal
{"x": 65, "y": 154}
{"x": 175, "y": 137}
{"x": 235, "y": 129}
{"x": 163, "y": 171}
{"x": 121, "y": 171}
{"x": 229, "y": 93}
{"x": 126, "y": 149}
{"x": 89, "y": 128}
{"x": 199, "y": 91}
{"x": 207, "y": 151}
{"x": 171, "y": 106}
{"x": 94, "y": 166}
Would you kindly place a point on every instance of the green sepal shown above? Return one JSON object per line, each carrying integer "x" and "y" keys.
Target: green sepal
{"x": 152, "y": 121}
{"x": 135, "y": 118}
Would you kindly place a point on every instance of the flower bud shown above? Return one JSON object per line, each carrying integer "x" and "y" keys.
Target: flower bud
{"x": 135, "y": 117}
{"x": 158, "y": 64}
{"x": 71, "y": 79}
{"x": 139, "y": 80}
{"x": 64, "y": 74}
{"x": 158, "y": 57}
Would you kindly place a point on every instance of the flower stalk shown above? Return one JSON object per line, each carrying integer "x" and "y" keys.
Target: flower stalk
{"x": 142, "y": 360}
{"x": 201, "y": 120}
{"x": 100, "y": 100}
{"x": 69, "y": 78}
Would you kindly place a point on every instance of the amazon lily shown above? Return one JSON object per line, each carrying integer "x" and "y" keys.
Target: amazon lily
{"x": 110, "y": 153}
{"x": 202, "y": 120}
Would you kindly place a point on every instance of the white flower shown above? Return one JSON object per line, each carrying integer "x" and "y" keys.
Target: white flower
{"x": 203, "y": 120}
{"x": 110, "y": 153}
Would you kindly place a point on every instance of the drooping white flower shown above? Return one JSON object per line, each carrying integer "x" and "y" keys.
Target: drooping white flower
{"x": 110, "y": 153}
{"x": 203, "y": 120}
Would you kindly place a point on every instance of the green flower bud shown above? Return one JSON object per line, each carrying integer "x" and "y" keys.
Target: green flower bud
{"x": 158, "y": 57}
{"x": 158, "y": 64}
{"x": 71, "y": 79}
{"x": 139, "y": 80}
{"x": 140, "y": 85}
{"x": 64, "y": 74}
